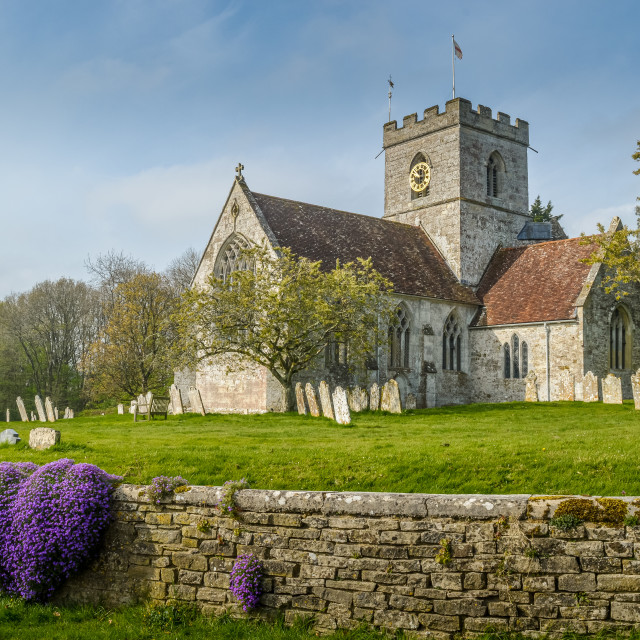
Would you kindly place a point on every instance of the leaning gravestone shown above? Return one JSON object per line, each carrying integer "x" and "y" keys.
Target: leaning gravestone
{"x": 391, "y": 397}
{"x": 374, "y": 397}
{"x": 567, "y": 386}
{"x": 176, "y": 400}
{"x": 23, "y": 412}
{"x": 10, "y": 436}
{"x": 612, "y": 390}
{"x": 410, "y": 402}
{"x": 120, "y": 411}
{"x": 42, "y": 416}
{"x": 302, "y": 409}
{"x": 590, "y": 388}
{"x": 531, "y": 388}
{"x": 196, "y": 401}
{"x": 635, "y": 387}
{"x": 341, "y": 406}
{"x": 325, "y": 400}
{"x": 51, "y": 417}
{"x": 43, "y": 438}
{"x": 312, "y": 401}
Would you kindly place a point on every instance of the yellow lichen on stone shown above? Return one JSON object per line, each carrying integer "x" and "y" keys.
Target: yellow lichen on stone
{"x": 606, "y": 510}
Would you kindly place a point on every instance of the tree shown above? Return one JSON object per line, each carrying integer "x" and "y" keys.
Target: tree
{"x": 182, "y": 269}
{"x": 282, "y": 314}
{"x": 132, "y": 352}
{"x": 619, "y": 251}
{"x": 540, "y": 213}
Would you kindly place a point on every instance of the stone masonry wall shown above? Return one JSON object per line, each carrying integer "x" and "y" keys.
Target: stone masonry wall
{"x": 434, "y": 565}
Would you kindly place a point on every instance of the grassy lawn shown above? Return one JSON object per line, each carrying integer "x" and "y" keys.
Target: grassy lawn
{"x": 501, "y": 448}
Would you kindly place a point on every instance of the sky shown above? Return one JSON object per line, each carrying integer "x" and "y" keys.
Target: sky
{"x": 121, "y": 121}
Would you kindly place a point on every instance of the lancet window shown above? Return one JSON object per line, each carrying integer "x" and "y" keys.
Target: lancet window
{"x": 495, "y": 172}
{"x": 452, "y": 344}
{"x": 620, "y": 340}
{"x": 400, "y": 340}
{"x": 515, "y": 358}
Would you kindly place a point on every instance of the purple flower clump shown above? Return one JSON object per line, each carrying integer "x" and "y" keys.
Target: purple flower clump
{"x": 163, "y": 486}
{"x": 52, "y": 519}
{"x": 245, "y": 582}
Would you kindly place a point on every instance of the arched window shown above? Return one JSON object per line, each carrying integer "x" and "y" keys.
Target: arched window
{"x": 452, "y": 344}
{"x": 399, "y": 340}
{"x": 495, "y": 173}
{"x": 230, "y": 257}
{"x": 506, "y": 350}
{"x": 620, "y": 340}
{"x": 525, "y": 359}
{"x": 419, "y": 194}
{"x": 335, "y": 353}
{"x": 515, "y": 345}
{"x": 515, "y": 358}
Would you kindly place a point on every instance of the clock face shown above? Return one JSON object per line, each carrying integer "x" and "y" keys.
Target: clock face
{"x": 420, "y": 176}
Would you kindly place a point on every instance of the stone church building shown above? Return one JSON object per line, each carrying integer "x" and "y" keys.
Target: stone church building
{"x": 484, "y": 294}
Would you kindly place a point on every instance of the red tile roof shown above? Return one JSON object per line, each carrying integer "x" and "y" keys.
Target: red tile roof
{"x": 402, "y": 253}
{"x": 535, "y": 283}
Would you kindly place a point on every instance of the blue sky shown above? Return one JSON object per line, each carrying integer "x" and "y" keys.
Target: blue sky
{"x": 121, "y": 122}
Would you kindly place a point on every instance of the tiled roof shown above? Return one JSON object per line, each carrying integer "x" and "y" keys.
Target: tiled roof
{"x": 402, "y": 253}
{"x": 534, "y": 283}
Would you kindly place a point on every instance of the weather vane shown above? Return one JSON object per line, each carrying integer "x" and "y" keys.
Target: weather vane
{"x": 390, "y": 94}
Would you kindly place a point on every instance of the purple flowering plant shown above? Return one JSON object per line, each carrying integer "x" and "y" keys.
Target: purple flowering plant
{"x": 164, "y": 487}
{"x": 246, "y": 581}
{"x": 227, "y": 504}
{"x": 52, "y": 519}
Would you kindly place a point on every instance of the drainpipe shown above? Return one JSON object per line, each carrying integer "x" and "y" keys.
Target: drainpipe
{"x": 547, "y": 330}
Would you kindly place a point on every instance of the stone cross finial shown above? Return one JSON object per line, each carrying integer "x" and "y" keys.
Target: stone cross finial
{"x": 239, "y": 169}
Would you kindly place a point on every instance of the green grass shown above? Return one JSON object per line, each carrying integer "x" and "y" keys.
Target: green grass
{"x": 500, "y": 448}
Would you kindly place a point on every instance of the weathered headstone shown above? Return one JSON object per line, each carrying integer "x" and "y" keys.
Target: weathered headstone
{"x": 9, "y": 435}
{"x": 531, "y": 388}
{"x": 23, "y": 412}
{"x": 635, "y": 387}
{"x": 66, "y": 412}
{"x": 612, "y": 390}
{"x": 312, "y": 401}
{"x": 8, "y": 415}
{"x": 410, "y": 402}
{"x": 120, "y": 411}
{"x": 341, "y": 406}
{"x": 176, "y": 400}
{"x": 567, "y": 386}
{"x": 325, "y": 400}
{"x": 196, "y": 401}
{"x": 132, "y": 407}
{"x": 302, "y": 408}
{"x": 42, "y": 416}
{"x": 590, "y": 388}
{"x": 49, "y": 409}
{"x": 390, "y": 397}
{"x": 357, "y": 399}
{"x": 55, "y": 412}
{"x": 71, "y": 413}
{"x": 43, "y": 438}
{"x": 374, "y": 397}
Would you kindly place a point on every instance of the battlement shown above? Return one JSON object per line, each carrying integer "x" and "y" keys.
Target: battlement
{"x": 457, "y": 112}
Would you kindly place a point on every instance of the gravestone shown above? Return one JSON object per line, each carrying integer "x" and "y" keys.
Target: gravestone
{"x": 23, "y": 412}
{"x": 590, "y": 391}
{"x": 195, "y": 400}
{"x": 325, "y": 400}
{"x": 10, "y": 436}
{"x": 55, "y": 412}
{"x": 359, "y": 399}
{"x": 341, "y": 406}
{"x": 132, "y": 407}
{"x": 120, "y": 411}
{"x": 42, "y": 416}
{"x": 374, "y": 397}
{"x": 531, "y": 388}
{"x": 410, "y": 402}
{"x": 612, "y": 390}
{"x": 49, "y": 409}
{"x": 66, "y": 412}
{"x": 8, "y": 415}
{"x": 176, "y": 400}
{"x": 33, "y": 417}
{"x": 390, "y": 397}
{"x": 43, "y": 438}
{"x": 567, "y": 386}
{"x": 312, "y": 401}
{"x": 302, "y": 409}
{"x": 71, "y": 413}
{"x": 635, "y": 387}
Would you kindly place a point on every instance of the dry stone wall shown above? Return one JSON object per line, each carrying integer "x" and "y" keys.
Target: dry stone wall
{"x": 434, "y": 565}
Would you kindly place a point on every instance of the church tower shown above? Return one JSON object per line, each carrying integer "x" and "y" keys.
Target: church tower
{"x": 462, "y": 176}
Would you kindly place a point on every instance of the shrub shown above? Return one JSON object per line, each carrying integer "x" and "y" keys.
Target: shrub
{"x": 245, "y": 581}
{"x": 56, "y": 521}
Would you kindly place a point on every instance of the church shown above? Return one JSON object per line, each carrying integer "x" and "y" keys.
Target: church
{"x": 485, "y": 296}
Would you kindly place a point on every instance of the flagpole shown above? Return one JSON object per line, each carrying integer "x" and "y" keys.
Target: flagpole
{"x": 453, "y": 65}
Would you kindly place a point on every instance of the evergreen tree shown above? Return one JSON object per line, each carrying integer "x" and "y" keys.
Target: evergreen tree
{"x": 541, "y": 213}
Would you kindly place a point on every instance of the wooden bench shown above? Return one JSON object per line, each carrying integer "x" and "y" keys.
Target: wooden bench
{"x": 154, "y": 406}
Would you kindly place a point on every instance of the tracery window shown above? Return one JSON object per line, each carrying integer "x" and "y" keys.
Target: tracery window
{"x": 230, "y": 257}
{"x": 335, "y": 353}
{"x": 400, "y": 340}
{"x": 452, "y": 344}
{"x": 515, "y": 358}
{"x": 620, "y": 340}
{"x": 495, "y": 171}
{"x": 418, "y": 194}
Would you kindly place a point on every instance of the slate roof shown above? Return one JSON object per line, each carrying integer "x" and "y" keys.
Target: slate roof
{"x": 534, "y": 283}
{"x": 402, "y": 253}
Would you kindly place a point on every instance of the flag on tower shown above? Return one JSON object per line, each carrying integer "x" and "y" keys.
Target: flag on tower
{"x": 458, "y": 50}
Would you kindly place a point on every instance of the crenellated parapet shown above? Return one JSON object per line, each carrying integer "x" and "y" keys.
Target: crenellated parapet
{"x": 458, "y": 112}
